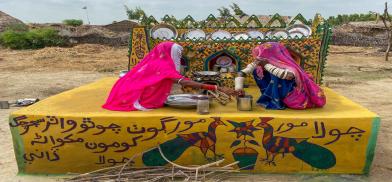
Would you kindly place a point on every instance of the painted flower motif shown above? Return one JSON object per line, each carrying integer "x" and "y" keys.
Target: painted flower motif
{"x": 243, "y": 128}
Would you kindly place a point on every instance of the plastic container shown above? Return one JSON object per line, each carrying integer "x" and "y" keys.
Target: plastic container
{"x": 239, "y": 83}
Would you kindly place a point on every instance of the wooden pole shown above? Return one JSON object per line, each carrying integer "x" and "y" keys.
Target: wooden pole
{"x": 387, "y": 19}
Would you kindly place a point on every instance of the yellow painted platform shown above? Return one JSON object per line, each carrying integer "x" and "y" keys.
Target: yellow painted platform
{"x": 70, "y": 132}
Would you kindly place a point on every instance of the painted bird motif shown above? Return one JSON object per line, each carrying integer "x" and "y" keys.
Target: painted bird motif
{"x": 174, "y": 148}
{"x": 312, "y": 154}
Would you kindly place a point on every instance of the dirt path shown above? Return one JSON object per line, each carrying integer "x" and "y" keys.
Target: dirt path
{"x": 360, "y": 74}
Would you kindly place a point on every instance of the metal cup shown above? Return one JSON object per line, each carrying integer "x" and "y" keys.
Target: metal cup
{"x": 203, "y": 105}
{"x": 245, "y": 103}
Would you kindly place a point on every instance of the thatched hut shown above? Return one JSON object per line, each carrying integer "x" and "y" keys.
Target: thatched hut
{"x": 360, "y": 34}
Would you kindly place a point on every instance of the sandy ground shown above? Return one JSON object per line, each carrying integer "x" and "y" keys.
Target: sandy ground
{"x": 360, "y": 74}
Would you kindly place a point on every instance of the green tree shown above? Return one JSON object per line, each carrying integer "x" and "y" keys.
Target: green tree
{"x": 17, "y": 27}
{"x": 73, "y": 22}
{"x": 135, "y": 14}
{"x": 237, "y": 10}
{"x": 341, "y": 19}
{"x": 31, "y": 39}
{"x": 224, "y": 12}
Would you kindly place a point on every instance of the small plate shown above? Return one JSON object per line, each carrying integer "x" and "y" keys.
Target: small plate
{"x": 163, "y": 31}
{"x": 244, "y": 36}
{"x": 304, "y": 29}
{"x": 221, "y": 34}
{"x": 195, "y": 34}
{"x": 254, "y": 34}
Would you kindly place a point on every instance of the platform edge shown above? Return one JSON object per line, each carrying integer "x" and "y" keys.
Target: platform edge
{"x": 18, "y": 146}
{"x": 371, "y": 145}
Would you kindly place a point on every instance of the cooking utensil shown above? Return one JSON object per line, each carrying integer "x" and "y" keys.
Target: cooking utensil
{"x": 203, "y": 105}
{"x": 183, "y": 101}
{"x": 206, "y": 73}
{"x": 221, "y": 97}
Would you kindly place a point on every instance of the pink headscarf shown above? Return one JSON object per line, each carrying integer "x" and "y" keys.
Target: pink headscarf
{"x": 306, "y": 94}
{"x": 148, "y": 83}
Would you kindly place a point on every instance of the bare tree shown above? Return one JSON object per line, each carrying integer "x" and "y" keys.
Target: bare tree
{"x": 386, "y": 19}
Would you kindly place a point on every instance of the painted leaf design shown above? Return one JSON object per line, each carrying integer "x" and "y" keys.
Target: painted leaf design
{"x": 253, "y": 142}
{"x": 235, "y": 143}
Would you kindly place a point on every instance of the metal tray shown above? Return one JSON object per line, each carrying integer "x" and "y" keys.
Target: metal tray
{"x": 206, "y": 73}
{"x": 183, "y": 101}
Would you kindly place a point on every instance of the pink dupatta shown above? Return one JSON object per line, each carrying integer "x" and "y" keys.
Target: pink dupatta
{"x": 149, "y": 82}
{"x": 306, "y": 94}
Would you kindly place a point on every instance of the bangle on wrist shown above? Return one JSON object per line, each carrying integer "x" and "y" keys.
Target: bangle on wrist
{"x": 179, "y": 81}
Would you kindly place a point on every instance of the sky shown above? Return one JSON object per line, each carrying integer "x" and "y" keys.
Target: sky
{"x": 106, "y": 11}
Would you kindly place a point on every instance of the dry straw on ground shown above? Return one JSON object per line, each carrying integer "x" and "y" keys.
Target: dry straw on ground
{"x": 207, "y": 172}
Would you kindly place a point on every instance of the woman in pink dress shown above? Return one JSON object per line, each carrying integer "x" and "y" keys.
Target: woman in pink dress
{"x": 147, "y": 85}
